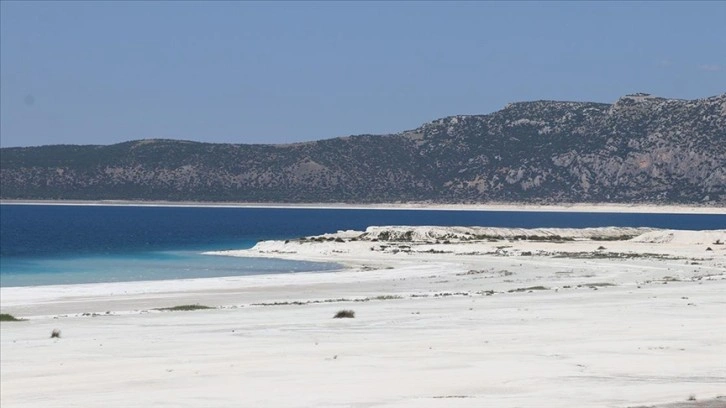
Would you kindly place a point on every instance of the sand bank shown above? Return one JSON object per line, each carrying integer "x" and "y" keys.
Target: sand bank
{"x": 444, "y": 318}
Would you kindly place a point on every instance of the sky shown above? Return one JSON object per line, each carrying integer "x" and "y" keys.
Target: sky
{"x": 281, "y": 72}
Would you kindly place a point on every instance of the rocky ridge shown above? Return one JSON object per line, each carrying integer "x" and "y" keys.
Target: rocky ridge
{"x": 641, "y": 149}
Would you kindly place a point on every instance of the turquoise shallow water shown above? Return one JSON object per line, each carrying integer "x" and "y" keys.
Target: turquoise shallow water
{"x": 143, "y": 266}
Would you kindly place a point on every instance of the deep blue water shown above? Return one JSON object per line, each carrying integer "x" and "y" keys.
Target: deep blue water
{"x": 52, "y": 244}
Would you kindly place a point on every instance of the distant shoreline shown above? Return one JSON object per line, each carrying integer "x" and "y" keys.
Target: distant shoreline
{"x": 575, "y": 207}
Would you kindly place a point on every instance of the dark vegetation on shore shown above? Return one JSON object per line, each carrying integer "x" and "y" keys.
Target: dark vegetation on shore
{"x": 184, "y": 308}
{"x": 344, "y": 314}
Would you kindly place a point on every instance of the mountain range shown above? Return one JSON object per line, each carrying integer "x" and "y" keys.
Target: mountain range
{"x": 640, "y": 149}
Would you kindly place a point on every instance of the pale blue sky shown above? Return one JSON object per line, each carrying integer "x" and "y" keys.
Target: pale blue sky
{"x": 243, "y": 72}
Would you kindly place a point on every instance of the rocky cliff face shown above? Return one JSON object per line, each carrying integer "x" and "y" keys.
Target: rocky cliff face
{"x": 639, "y": 149}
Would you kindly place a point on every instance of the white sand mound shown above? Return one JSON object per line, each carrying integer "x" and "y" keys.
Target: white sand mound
{"x": 683, "y": 237}
{"x": 429, "y": 233}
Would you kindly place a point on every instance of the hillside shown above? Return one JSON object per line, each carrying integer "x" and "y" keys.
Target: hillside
{"x": 641, "y": 149}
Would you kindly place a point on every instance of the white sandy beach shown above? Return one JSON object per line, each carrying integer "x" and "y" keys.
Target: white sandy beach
{"x": 479, "y": 319}
{"x": 574, "y": 207}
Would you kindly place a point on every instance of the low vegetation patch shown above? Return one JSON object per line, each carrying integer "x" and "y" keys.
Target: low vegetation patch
{"x": 494, "y": 238}
{"x": 436, "y": 251}
{"x": 614, "y": 255}
{"x": 184, "y": 308}
{"x": 445, "y": 294}
{"x": 623, "y": 237}
{"x": 309, "y": 302}
{"x": 4, "y": 317}
{"x": 406, "y": 236}
{"x": 472, "y": 272}
{"x": 541, "y": 238}
{"x": 387, "y": 297}
{"x": 344, "y": 314}
{"x": 597, "y": 284}
{"x": 531, "y": 288}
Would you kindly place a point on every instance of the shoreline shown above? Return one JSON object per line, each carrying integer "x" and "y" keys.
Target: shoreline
{"x": 444, "y": 317}
{"x": 513, "y": 207}
{"x": 366, "y": 255}
{"x": 276, "y": 249}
